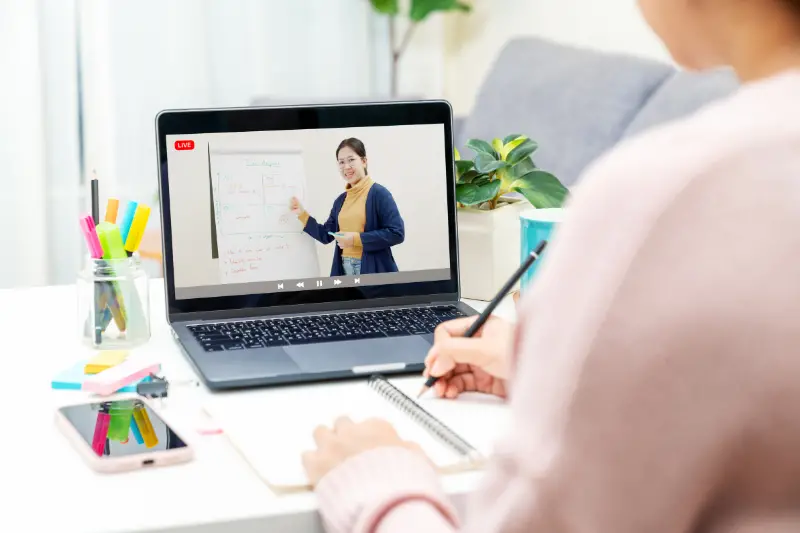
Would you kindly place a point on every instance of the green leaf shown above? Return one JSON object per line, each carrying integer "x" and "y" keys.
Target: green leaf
{"x": 486, "y": 163}
{"x": 463, "y": 166}
{"x": 386, "y": 7}
{"x": 420, "y": 9}
{"x": 521, "y": 152}
{"x": 509, "y": 147}
{"x": 497, "y": 144}
{"x": 481, "y": 179}
{"x": 512, "y": 137}
{"x": 481, "y": 147}
{"x": 522, "y": 168}
{"x": 471, "y": 194}
{"x": 541, "y": 189}
{"x": 469, "y": 176}
{"x": 457, "y": 154}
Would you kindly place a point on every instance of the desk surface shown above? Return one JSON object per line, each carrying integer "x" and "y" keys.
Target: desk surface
{"x": 55, "y": 491}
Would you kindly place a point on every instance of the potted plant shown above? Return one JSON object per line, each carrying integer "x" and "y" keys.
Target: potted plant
{"x": 419, "y": 10}
{"x": 492, "y": 189}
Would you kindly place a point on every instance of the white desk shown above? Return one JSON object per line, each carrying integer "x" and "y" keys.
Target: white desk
{"x": 51, "y": 489}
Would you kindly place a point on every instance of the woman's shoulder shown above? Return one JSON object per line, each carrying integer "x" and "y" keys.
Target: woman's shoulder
{"x": 379, "y": 191}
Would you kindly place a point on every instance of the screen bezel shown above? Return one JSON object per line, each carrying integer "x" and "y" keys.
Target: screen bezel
{"x": 189, "y": 122}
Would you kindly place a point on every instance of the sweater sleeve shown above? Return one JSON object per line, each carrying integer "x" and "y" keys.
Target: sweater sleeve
{"x": 385, "y": 490}
{"x": 391, "y": 228}
{"x": 320, "y": 231}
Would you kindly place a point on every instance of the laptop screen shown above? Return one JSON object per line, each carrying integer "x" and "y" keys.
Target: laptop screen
{"x": 310, "y": 209}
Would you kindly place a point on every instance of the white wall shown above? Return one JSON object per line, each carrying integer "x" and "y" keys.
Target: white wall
{"x": 473, "y": 42}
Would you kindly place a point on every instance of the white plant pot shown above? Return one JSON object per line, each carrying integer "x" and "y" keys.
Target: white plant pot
{"x": 489, "y": 248}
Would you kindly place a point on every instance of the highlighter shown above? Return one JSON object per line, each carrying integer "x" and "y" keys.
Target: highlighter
{"x": 111, "y": 241}
{"x": 111, "y": 210}
{"x": 136, "y": 230}
{"x": 120, "y": 424}
{"x": 145, "y": 426}
{"x": 135, "y": 430}
{"x": 100, "y": 433}
{"x": 127, "y": 220}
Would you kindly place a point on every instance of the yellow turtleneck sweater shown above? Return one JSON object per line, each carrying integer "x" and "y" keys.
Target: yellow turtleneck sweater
{"x": 353, "y": 216}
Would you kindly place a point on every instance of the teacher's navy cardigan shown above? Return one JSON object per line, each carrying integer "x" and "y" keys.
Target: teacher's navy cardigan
{"x": 383, "y": 229}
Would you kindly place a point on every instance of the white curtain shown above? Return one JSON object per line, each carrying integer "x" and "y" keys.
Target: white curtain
{"x": 84, "y": 80}
{"x": 140, "y": 57}
{"x": 39, "y": 144}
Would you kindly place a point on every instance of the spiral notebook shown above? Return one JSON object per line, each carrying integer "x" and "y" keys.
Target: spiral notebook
{"x": 272, "y": 429}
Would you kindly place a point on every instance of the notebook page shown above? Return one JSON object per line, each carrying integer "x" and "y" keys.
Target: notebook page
{"x": 272, "y": 428}
{"x": 479, "y": 419}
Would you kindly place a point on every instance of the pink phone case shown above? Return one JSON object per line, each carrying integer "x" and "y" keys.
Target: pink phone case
{"x": 124, "y": 464}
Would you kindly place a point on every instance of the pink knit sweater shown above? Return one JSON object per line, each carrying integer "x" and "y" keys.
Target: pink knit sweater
{"x": 656, "y": 383}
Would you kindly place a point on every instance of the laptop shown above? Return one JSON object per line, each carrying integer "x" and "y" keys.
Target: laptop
{"x": 308, "y": 243}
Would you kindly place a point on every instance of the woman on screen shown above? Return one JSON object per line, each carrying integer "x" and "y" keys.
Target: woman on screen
{"x": 364, "y": 220}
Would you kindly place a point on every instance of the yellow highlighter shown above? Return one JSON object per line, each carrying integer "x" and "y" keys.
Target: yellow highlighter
{"x": 136, "y": 231}
{"x": 146, "y": 430}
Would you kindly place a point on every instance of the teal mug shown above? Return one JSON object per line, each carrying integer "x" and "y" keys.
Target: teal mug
{"x": 536, "y": 225}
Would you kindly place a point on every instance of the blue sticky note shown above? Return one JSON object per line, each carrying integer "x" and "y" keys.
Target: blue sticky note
{"x": 127, "y": 220}
{"x": 73, "y": 377}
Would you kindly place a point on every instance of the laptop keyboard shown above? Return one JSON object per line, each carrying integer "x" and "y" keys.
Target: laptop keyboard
{"x": 321, "y": 328}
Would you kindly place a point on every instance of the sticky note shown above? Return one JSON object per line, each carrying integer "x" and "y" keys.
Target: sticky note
{"x": 104, "y": 361}
{"x": 73, "y": 377}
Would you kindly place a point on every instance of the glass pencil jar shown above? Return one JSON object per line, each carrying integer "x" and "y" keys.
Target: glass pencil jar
{"x": 114, "y": 303}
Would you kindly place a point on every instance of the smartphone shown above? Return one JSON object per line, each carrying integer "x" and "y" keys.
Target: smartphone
{"x": 122, "y": 434}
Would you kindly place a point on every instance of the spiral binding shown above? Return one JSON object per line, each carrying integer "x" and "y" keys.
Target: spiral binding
{"x": 432, "y": 424}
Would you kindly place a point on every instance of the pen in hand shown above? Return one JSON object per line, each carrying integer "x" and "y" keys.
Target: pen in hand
{"x": 484, "y": 316}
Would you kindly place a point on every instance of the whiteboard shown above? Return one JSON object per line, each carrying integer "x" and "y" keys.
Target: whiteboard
{"x": 258, "y": 237}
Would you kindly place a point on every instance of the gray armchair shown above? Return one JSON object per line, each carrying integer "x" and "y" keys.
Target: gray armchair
{"x": 579, "y": 103}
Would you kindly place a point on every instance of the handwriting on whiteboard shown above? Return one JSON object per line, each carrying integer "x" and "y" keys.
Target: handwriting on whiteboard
{"x": 259, "y": 238}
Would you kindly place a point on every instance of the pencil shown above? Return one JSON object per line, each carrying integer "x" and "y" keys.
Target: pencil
{"x": 95, "y": 199}
{"x": 484, "y": 316}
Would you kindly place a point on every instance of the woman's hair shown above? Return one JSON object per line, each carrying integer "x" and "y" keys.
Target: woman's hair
{"x": 355, "y": 145}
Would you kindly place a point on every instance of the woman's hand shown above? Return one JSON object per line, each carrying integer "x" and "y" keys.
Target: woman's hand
{"x": 346, "y": 239}
{"x": 476, "y": 364}
{"x": 347, "y": 439}
{"x": 295, "y": 206}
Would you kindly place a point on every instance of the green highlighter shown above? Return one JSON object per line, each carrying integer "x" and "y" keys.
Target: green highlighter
{"x": 111, "y": 241}
{"x": 113, "y": 248}
{"x": 125, "y": 291}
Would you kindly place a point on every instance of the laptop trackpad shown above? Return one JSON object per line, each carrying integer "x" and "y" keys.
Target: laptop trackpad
{"x": 333, "y": 356}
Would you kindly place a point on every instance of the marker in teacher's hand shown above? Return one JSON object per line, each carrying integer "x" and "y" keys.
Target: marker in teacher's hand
{"x": 335, "y": 234}
{"x": 484, "y": 316}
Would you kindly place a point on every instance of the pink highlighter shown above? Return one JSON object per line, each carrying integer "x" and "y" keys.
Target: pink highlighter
{"x": 90, "y": 234}
{"x": 100, "y": 433}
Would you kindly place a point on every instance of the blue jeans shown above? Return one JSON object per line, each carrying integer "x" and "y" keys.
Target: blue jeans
{"x": 352, "y": 266}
